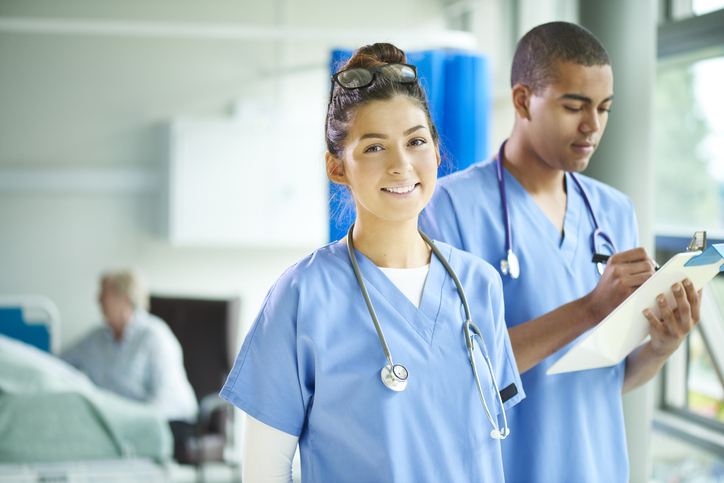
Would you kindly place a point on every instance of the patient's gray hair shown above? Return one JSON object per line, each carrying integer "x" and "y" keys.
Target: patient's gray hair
{"x": 129, "y": 283}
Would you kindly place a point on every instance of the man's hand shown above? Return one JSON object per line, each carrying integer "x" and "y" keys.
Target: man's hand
{"x": 668, "y": 331}
{"x": 624, "y": 273}
{"x": 537, "y": 339}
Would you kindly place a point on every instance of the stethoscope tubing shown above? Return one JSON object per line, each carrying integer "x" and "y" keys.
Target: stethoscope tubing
{"x": 368, "y": 301}
{"x": 504, "y": 199}
{"x": 506, "y": 212}
{"x": 496, "y": 433}
{"x": 469, "y": 325}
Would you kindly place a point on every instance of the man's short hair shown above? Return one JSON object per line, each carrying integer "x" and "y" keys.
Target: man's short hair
{"x": 543, "y": 47}
{"x": 130, "y": 284}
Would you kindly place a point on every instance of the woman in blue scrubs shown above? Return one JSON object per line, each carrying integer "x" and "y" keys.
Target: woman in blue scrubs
{"x": 309, "y": 371}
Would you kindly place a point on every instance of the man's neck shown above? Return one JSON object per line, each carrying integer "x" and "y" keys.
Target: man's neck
{"x": 537, "y": 177}
{"x": 545, "y": 184}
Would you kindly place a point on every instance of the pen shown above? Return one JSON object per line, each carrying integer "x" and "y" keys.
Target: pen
{"x": 600, "y": 258}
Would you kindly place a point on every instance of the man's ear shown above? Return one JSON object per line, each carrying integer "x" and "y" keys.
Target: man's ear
{"x": 521, "y": 100}
{"x": 335, "y": 169}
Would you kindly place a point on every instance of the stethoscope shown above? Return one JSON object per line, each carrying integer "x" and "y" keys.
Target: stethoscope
{"x": 395, "y": 376}
{"x": 510, "y": 264}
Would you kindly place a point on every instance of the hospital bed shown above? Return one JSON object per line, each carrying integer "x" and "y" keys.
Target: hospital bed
{"x": 33, "y": 319}
{"x": 56, "y": 425}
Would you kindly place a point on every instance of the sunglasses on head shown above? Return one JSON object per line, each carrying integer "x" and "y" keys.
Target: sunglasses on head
{"x": 357, "y": 77}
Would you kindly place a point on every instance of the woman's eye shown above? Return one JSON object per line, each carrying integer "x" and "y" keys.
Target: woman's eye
{"x": 418, "y": 142}
{"x": 373, "y": 149}
{"x": 605, "y": 109}
{"x": 573, "y": 109}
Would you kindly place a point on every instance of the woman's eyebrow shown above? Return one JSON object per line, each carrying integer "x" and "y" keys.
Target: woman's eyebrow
{"x": 373, "y": 135}
{"x": 384, "y": 136}
{"x": 413, "y": 129}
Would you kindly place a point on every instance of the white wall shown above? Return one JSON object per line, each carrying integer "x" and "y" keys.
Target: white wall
{"x": 497, "y": 26}
{"x": 86, "y": 91}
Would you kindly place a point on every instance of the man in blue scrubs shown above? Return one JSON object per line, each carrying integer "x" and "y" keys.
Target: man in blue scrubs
{"x": 570, "y": 428}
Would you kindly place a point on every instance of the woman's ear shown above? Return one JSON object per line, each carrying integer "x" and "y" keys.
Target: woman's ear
{"x": 335, "y": 169}
{"x": 521, "y": 100}
{"x": 437, "y": 153}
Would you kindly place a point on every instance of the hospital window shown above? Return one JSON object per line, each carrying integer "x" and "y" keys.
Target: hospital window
{"x": 688, "y": 433}
{"x": 689, "y": 145}
{"x": 681, "y": 9}
{"x": 694, "y": 376}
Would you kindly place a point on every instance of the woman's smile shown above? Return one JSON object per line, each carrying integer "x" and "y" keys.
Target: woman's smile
{"x": 401, "y": 190}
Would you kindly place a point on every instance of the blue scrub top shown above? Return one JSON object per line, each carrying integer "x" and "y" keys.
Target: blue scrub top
{"x": 310, "y": 366}
{"x": 570, "y": 427}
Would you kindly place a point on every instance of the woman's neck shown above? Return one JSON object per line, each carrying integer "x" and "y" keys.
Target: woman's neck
{"x": 391, "y": 244}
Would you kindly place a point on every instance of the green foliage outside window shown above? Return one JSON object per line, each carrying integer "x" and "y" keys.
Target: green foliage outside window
{"x": 687, "y": 195}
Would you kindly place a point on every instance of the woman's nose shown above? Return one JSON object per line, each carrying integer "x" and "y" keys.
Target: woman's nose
{"x": 400, "y": 163}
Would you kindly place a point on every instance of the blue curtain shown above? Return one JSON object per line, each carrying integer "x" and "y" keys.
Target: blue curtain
{"x": 457, "y": 84}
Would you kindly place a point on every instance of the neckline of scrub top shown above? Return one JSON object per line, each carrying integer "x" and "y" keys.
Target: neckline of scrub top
{"x": 521, "y": 201}
{"x": 410, "y": 281}
{"x": 422, "y": 319}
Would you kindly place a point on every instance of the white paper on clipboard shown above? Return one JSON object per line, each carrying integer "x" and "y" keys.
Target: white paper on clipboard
{"x": 626, "y": 327}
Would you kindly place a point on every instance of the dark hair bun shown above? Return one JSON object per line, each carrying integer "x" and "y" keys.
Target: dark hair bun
{"x": 375, "y": 55}
{"x": 344, "y": 103}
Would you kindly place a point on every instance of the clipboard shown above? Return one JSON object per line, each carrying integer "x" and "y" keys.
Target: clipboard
{"x": 616, "y": 336}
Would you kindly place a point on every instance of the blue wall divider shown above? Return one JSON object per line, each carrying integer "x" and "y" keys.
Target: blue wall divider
{"x": 457, "y": 84}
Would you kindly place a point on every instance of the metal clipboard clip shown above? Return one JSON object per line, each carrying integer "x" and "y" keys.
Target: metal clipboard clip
{"x": 698, "y": 242}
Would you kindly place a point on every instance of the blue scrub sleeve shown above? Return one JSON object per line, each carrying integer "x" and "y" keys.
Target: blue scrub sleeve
{"x": 266, "y": 381}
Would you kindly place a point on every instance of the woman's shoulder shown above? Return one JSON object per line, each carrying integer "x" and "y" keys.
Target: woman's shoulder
{"x": 463, "y": 261}
{"x": 323, "y": 261}
{"x": 325, "y": 266}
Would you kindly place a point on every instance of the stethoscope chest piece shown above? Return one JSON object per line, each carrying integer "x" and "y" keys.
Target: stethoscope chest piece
{"x": 395, "y": 377}
{"x": 510, "y": 265}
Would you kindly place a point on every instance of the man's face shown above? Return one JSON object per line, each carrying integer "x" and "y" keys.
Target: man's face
{"x": 568, "y": 117}
{"x": 115, "y": 307}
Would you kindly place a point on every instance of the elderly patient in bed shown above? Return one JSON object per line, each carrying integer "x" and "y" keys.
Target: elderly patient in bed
{"x": 51, "y": 412}
{"x": 135, "y": 354}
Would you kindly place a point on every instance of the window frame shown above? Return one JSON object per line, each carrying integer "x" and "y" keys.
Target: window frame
{"x": 668, "y": 417}
{"x": 698, "y": 33}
